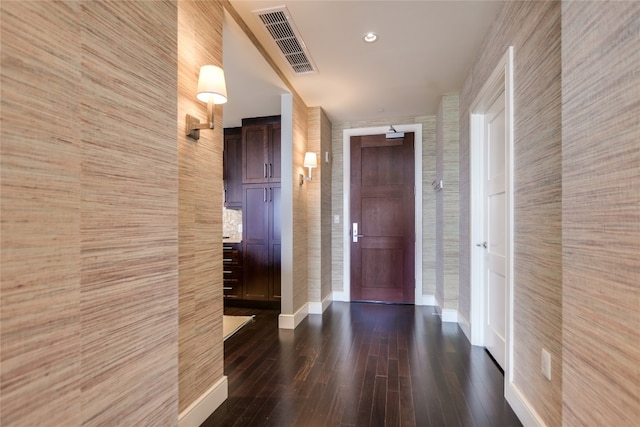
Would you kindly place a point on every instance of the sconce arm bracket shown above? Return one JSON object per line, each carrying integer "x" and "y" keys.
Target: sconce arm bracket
{"x": 193, "y": 126}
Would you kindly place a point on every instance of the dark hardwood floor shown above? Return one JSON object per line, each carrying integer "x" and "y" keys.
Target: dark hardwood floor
{"x": 359, "y": 365}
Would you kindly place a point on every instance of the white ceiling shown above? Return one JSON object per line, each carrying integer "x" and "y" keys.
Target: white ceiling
{"x": 424, "y": 50}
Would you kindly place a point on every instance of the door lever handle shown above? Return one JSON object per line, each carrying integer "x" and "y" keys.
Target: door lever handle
{"x": 482, "y": 245}
{"x": 355, "y": 234}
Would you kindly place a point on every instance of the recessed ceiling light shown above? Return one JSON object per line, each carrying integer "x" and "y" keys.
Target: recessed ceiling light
{"x": 370, "y": 37}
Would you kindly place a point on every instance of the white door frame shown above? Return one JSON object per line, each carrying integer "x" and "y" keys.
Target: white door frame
{"x": 346, "y": 223}
{"x": 500, "y": 80}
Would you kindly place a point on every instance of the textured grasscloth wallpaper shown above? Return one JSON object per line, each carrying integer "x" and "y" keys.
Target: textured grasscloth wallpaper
{"x": 89, "y": 264}
{"x": 533, "y": 28}
{"x": 447, "y": 202}
{"x": 318, "y": 192}
{"x": 199, "y": 208}
{"x": 601, "y": 213}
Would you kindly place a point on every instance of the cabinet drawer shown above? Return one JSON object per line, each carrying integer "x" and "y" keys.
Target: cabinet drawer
{"x": 231, "y": 254}
{"x": 232, "y": 290}
{"x": 231, "y": 273}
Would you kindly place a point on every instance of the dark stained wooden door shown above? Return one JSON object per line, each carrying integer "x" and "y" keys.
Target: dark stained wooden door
{"x": 382, "y": 206}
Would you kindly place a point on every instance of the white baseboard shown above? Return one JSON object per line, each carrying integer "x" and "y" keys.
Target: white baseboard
{"x": 428, "y": 300}
{"x": 522, "y": 408}
{"x": 465, "y": 326}
{"x": 449, "y": 315}
{"x": 340, "y": 296}
{"x": 320, "y": 307}
{"x": 291, "y": 321}
{"x": 205, "y": 405}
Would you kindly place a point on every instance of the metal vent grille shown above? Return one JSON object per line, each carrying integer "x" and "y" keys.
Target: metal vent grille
{"x": 278, "y": 24}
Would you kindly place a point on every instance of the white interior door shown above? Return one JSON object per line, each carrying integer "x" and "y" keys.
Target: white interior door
{"x": 495, "y": 230}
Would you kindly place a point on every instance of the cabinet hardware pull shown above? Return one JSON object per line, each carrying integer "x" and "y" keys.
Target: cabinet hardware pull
{"x": 227, "y": 288}
{"x": 270, "y": 170}
{"x": 227, "y": 248}
{"x": 226, "y": 271}
{"x": 227, "y": 259}
{"x": 264, "y": 197}
{"x": 265, "y": 170}
{"x": 270, "y": 194}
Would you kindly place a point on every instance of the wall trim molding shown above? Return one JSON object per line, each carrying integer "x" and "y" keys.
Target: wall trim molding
{"x": 464, "y": 324}
{"x": 340, "y": 296}
{"x": 416, "y": 128}
{"x": 428, "y": 300}
{"x": 446, "y": 314}
{"x": 205, "y": 405}
{"x": 449, "y": 315}
{"x": 291, "y": 321}
{"x": 522, "y": 407}
{"x": 319, "y": 307}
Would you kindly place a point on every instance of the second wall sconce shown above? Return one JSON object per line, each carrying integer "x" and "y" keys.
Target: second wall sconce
{"x": 310, "y": 161}
{"x": 212, "y": 90}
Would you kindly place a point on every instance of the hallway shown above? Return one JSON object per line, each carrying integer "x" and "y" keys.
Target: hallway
{"x": 359, "y": 364}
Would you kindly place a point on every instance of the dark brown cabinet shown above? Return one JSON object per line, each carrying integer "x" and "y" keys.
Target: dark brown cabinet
{"x": 261, "y": 150}
{"x": 232, "y": 271}
{"x": 261, "y": 242}
{"x": 232, "y": 168}
{"x": 252, "y": 183}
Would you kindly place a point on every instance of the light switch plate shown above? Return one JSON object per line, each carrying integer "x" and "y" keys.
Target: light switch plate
{"x": 546, "y": 364}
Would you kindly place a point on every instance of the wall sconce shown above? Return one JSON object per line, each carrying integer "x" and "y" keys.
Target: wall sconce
{"x": 212, "y": 90}
{"x": 310, "y": 161}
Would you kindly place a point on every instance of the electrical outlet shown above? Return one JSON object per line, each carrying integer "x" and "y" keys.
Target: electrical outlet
{"x": 546, "y": 364}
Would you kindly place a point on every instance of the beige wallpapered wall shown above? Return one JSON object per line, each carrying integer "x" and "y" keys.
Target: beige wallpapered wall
{"x": 89, "y": 263}
{"x": 533, "y": 28}
{"x": 601, "y": 213}
{"x": 300, "y": 294}
{"x": 314, "y": 210}
{"x": 201, "y": 358}
{"x": 447, "y": 203}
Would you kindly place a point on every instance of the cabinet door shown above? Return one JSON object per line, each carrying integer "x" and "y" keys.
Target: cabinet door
{"x": 254, "y": 154}
{"x": 274, "y": 244}
{"x": 232, "y": 168}
{"x": 274, "y": 152}
{"x": 255, "y": 230}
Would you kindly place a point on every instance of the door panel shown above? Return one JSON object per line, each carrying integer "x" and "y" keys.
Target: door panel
{"x": 382, "y": 204}
{"x": 254, "y": 154}
{"x": 274, "y": 244}
{"x": 495, "y": 205}
{"x": 274, "y": 152}
{"x": 256, "y": 242}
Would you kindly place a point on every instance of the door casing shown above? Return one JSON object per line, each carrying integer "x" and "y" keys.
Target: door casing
{"x": 345, "y": 295}
{"x": 501, "y": 80}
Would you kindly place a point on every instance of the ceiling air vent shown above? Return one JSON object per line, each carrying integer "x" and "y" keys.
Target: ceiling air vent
{"x": 279, "y": 25}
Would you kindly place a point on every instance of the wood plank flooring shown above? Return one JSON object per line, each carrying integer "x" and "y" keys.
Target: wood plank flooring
{"x": 359, "y": 365}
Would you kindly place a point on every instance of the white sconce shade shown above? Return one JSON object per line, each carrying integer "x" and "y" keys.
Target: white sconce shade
{"x": 211, "y": 84}
{"x": 310, "y": 160}
{"x": 212, "y": 90}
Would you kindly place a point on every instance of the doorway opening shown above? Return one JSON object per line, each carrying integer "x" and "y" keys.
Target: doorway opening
{"x": 345, "y": 295}
{"x": 382, "y": 218}
{"x": 491, "y": 213}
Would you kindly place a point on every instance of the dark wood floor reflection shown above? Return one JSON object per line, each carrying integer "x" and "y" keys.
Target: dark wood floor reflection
{"x": 359, "y": 365}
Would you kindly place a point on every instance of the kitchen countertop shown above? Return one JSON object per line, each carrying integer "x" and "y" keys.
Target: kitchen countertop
{"x": 230, "y": 240}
